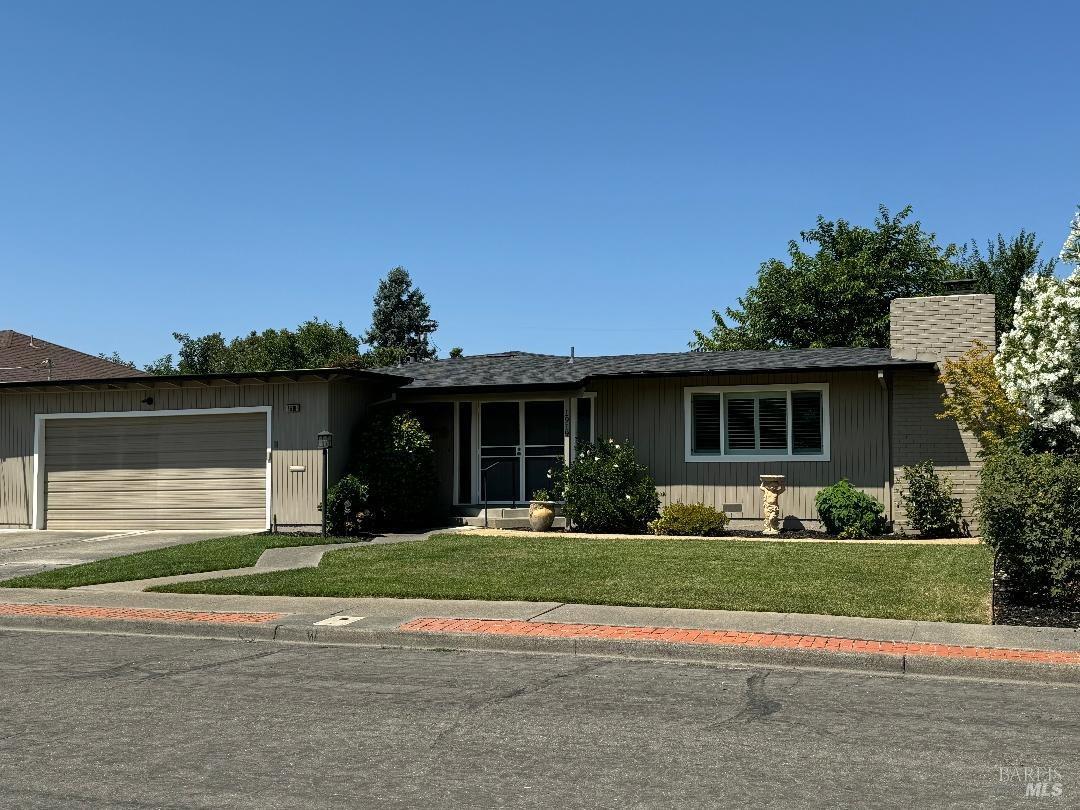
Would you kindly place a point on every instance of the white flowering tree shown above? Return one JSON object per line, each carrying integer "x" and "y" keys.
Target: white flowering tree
{"x": 1038, "y": 361}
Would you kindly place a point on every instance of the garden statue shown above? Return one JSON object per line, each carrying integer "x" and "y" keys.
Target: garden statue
{"x": 771, "y": 487}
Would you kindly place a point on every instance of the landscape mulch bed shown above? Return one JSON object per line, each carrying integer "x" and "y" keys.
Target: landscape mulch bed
{"x": 1014, "y": 604}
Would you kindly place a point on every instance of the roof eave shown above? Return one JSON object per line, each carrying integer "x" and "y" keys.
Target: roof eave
{"x": 177, "y": 380}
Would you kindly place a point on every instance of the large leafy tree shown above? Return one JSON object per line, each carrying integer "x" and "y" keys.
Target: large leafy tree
{"x": 839, "y": 294}
{"x": 1002, "y": 269}
{"x": 313, "y": 344}
{"x": 401, "y": 319}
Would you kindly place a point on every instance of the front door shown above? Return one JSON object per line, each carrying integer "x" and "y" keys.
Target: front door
{"x": 519, "y": 443}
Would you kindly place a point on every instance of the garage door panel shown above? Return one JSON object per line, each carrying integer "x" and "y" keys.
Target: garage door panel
{"x": 168, "y": 472}
{"x": 90, "y": 485}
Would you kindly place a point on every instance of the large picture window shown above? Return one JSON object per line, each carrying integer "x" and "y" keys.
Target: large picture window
{"x": 764, "y": 423}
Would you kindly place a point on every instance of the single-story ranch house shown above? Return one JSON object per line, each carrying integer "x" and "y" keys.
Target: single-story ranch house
{"x": 85, "y": 443}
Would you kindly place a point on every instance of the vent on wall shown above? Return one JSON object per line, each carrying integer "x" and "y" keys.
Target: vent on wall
{"x": 732, "y": 507}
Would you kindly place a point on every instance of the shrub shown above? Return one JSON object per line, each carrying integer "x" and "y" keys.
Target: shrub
{"x": 927, "y": 499}
{"x": 397, "y": 462}
{"x": 346, "y": 507}
{"x": 606, "y": 489}
{"x": 850, "y": 512}
{"x": 1029, "y": 511}
{"x": 695, "y": 519}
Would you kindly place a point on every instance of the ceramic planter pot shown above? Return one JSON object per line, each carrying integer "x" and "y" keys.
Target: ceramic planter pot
{"x": 541, "y": 515}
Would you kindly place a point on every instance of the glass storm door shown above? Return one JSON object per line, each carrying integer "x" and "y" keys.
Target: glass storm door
{"x": 519, "y": 443}
{"x": 500, "y": 452}
{"x": 544, "y": 428}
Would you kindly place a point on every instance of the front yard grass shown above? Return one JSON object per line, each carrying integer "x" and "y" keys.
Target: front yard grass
{"x": 218, "y": 554}
{"x": 936, "y": 583}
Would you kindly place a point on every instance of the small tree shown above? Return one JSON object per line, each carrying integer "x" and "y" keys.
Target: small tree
{"x": 975, "y": 400}
{"x": 401, "y": 318}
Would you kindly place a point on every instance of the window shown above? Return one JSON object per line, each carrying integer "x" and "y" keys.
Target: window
{"x": 741, "y": 423}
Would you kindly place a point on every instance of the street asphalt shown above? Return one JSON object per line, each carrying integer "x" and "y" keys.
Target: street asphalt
{"x": 25, "y": 552}
{"x": 146, "y": 721}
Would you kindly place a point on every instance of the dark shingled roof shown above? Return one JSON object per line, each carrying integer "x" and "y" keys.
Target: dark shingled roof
{"x": 525, "y": 369}
{"x": 23, "y": 359}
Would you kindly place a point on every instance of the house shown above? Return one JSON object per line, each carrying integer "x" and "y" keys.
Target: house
{"x": 708, "y": 424}
{"x": 239, "y": 451}
{"x": 25, "y": 358}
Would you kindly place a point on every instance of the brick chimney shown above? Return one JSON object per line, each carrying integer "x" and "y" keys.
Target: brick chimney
{"x": 936, "y": 327}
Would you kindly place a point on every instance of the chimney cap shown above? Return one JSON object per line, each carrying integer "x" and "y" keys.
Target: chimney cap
{"x": 960, "y": 286}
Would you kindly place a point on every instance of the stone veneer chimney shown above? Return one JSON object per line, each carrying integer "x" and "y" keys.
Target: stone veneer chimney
{"x": 936, "y": 327}
{"x": 933, "y": 328}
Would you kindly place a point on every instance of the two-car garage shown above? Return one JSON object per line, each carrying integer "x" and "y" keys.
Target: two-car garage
{"x": 235, "y": 452}
{"x": 158, "y": 470}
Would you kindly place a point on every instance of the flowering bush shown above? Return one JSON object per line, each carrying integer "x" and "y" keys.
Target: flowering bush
{"x": 606, "y": 489}
{"x": 1070, "y": 251}
{"x": 1039, "y": 358}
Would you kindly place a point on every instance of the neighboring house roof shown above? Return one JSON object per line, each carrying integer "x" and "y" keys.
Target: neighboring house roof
{"x": 140, "y": 380}
{"x": 24, "y": 358}
{"x": 525, "y": 369}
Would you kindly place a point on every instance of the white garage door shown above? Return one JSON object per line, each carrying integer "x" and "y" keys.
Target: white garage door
{"x": 159, "y": 472}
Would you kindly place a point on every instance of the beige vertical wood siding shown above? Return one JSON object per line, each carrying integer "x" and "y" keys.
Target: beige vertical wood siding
{"x": 650, "y": 414}
{"x": 295, "y": 496}
{"x": 156, "y": 472}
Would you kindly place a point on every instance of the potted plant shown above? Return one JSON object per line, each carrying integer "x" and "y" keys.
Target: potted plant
{"x": 542, "y": 511}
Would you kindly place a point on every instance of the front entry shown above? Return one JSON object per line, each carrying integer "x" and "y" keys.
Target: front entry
{"x": 519, "y": 443}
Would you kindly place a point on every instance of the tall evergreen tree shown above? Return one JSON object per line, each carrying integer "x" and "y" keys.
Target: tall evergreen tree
{"x": 401, "y": 319}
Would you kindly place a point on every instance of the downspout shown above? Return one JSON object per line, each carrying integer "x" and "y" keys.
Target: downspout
{"x": 885, "y": 381}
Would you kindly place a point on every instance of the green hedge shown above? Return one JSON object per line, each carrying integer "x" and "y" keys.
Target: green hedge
{"x": 1029, "y": 508}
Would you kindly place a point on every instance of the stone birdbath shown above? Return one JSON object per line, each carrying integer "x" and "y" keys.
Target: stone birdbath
{"x": 772, "y": 486}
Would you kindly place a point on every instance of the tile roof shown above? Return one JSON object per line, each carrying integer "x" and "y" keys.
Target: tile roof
{"x": 26, "y": 359}
{"x": 525, "y": 369}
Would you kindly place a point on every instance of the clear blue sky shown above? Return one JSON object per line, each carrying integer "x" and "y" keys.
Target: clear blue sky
{"x": 552, "y": 173}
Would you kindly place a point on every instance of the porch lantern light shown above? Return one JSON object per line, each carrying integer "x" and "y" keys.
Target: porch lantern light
{"x": 323, "y": 441}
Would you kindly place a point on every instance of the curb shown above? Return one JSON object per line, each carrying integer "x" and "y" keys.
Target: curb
{"x": 302, "y": 631}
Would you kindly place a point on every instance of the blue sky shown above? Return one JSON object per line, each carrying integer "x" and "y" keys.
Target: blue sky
{"x": 552, "y": 173}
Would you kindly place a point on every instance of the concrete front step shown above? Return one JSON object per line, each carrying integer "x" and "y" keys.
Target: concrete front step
{"x": 503, "y": 521}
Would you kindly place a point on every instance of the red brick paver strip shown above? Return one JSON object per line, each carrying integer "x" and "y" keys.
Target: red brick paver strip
{"x": 135, "y": 614}
{"x": 733, "y": 638}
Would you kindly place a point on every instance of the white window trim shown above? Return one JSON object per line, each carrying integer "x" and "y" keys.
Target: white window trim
{"x": 39, "y": 445}
{"x": 752, "y": 458}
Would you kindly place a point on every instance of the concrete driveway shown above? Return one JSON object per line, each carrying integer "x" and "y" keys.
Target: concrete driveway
{"x": 28, "y": 552}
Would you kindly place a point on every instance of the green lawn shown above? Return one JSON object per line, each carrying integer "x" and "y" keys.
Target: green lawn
{"x": 939, "y": 583}
{"x": 199, "y": 557}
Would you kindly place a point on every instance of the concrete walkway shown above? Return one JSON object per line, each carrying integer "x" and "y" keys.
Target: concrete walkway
{"x": 781, "y": 639}
{"x": 273, "y": 559}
